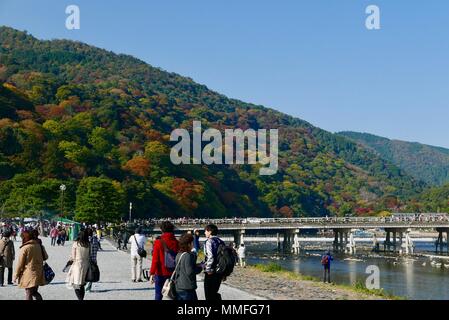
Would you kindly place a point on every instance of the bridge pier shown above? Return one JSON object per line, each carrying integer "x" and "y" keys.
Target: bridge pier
{"x": 351, "y": 246}
{"x": 278, "y": 238}
{"x": 287, "y": 243}
{"x": 340, "y": 244}
{"x": 239, "y": 237}
{"x": 389, "y": 245}
{"x": 440, "y": 241}
{"x": 296, "y": 246}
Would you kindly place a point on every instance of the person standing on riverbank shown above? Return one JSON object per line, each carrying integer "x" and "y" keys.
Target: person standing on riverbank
{"x": 212, "y": 279}
{"x": 242, "y": 255}
{"x": 326, "y": 263}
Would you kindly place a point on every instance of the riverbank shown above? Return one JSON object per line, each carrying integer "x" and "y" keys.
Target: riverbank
{"x": 272, "y": 282}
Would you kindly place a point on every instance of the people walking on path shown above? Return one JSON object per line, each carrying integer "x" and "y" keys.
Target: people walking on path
{"x": 53, "y": 235}
{"x": 137, "y": 241}
{"x": 94, "y": 247}
{"x": 78, "y": 270}
{"x": 196, "y": 241}
{"x": 119, "y": 239}
{"x": 7, "y": 256}
{"x": 62, "y": 236}
{"x": 186, "y": 269}
{"x": 29, "y": 270}
{"x": 242, "y": 255}
{"x": 326, "y": 263}
{"x": 125, "y": 238}
{"x": 163, "y": 262}
{"x": 212, "y": 280}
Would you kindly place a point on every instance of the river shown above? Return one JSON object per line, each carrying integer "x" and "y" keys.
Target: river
{"x": 411, "y": 277}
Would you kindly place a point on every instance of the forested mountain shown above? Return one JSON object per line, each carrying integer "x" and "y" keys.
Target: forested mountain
{"x": 100, "y": 122}
{"x": 423, "y": 162}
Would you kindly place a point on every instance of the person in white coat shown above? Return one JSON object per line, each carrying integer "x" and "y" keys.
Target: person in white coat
{"x": 137, "y": 241}
{"x": 78, "y": 270}
{"x": 241, "y": 252}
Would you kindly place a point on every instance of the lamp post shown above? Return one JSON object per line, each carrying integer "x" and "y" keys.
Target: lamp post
{"x": 130, "y": 208}
{"x": 62, "y": 187}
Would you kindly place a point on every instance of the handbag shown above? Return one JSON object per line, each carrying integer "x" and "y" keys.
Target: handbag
{"x": 169, "y": 288}
{"x": 49, "y": 274}
{"x": 93, "y": 272}
{"x": 140, "y": 251}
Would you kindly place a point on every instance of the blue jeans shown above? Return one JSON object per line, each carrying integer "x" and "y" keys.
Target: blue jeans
{"x": 186, "y": 295}
{"x": 158, "y": 285}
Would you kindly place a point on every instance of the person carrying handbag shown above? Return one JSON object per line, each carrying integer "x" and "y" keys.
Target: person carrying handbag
{"x": 80, "y": 256}
{"x": 187, "y": 269}
{"x": 137, "y": 254}
{"x": 30, "y": 266}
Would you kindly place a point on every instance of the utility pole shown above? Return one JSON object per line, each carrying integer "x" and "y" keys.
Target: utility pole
{"x": 62, "y": 187}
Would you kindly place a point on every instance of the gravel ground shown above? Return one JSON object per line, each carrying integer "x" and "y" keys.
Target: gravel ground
{"x": 278, "y": 287}
{"x": 115, "y": 281}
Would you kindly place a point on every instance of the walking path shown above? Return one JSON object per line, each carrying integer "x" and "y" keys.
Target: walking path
{"x": 115, "y": 281}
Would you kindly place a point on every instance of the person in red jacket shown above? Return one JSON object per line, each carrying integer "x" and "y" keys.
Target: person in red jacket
{"x": 165, "y": 249}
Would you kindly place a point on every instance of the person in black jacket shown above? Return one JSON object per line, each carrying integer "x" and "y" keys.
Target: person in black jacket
{"x": 186, "y": 269}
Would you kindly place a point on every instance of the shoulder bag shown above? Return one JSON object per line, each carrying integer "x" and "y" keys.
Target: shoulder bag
{"x": 169, "y": 289}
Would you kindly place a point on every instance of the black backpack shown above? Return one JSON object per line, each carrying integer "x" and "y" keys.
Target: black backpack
{"x": 225, "y": 259}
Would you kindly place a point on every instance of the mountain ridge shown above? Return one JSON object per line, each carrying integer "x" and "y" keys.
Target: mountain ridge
{"x": 103, "y": 114}
{"x": 424, "y": 162}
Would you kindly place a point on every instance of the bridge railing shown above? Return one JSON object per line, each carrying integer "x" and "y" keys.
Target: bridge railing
{"x": 412, "y": 220}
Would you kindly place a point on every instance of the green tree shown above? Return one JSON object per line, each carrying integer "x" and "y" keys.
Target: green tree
{"x": 99, "y": 199}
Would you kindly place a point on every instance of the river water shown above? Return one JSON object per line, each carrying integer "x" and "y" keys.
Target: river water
{"x": 411, "y": 277}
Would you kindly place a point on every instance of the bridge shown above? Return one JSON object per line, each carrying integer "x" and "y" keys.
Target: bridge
{"x": 397, "y": 229}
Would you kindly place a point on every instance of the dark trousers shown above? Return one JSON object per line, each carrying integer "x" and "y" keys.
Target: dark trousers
{"x": 32, "y": 293}
{"x": 158, "y": 285}
{"x": 211, "y": 286}
{"x": 327, "y": 273}
{"x": 2, "y": 275}
{"x": 80, "y": 293}
{"x": 53, "y": 241}
{"x": 186, "y": 295}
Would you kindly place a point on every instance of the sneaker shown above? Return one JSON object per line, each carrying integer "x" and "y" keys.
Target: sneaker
{"x": 140, "y": 280}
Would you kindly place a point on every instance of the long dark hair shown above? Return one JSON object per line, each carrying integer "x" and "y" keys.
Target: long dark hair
{"x": 83, "y": 238}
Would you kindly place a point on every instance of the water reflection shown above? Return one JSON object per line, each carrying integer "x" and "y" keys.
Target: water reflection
{"x": 415, "y": 278}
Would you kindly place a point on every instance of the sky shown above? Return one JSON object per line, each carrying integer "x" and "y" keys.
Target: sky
{"x": 313, "y": 59}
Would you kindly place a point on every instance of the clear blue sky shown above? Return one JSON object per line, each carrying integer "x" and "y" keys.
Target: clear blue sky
{"x": 313, "y": 59}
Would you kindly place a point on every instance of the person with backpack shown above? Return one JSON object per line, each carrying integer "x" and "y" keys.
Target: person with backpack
{"x": 326, "y": 263}
{"x": 7, "y": 256}
{"x": 137, "y": 241}
{"x": 219, "y": 263}
{"x": 165, "y": 249}
{"x": 94, "y": 247}
{"x": 30, "y": 266}
{"x": 187, "y": 269}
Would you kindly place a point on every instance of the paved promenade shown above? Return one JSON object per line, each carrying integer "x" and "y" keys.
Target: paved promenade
{"x": 115, "y": 281}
